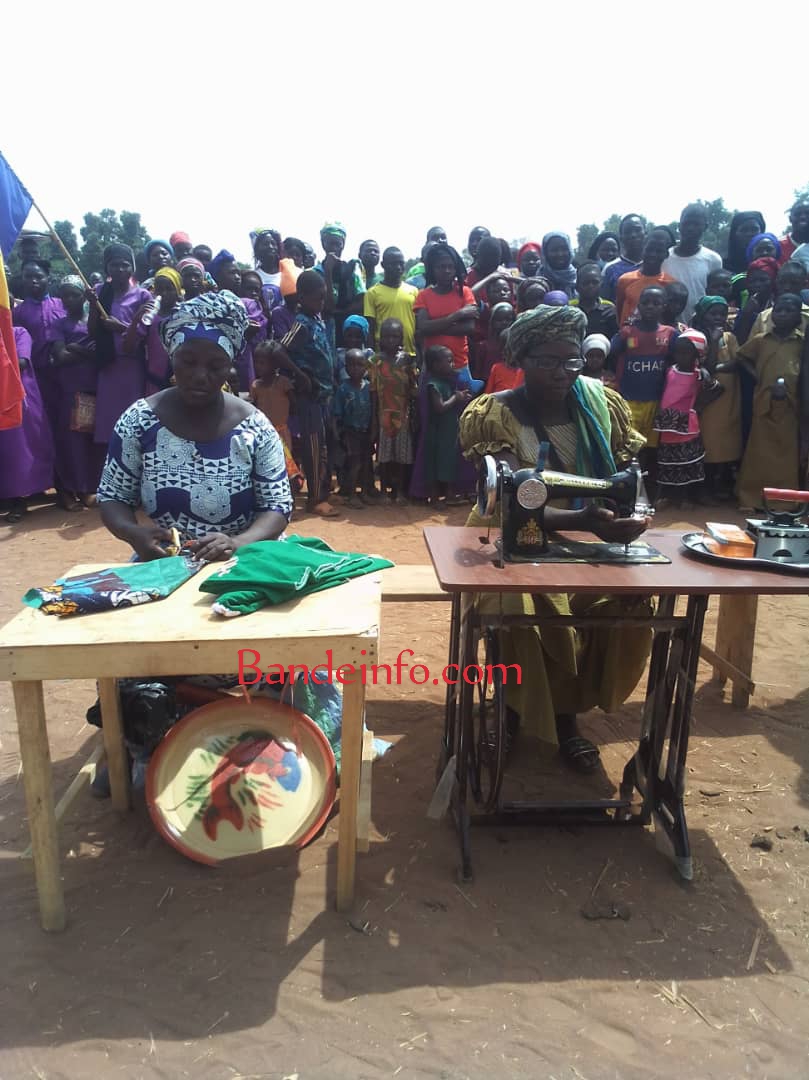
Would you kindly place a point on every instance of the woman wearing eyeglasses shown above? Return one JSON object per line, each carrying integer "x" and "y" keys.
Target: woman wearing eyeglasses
{"x": 589, "y": 431}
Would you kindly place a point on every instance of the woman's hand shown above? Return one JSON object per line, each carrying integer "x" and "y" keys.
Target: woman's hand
{"x": 213, "y": 548}
{"x": 148, "y": 541}
{"x": 612, "y": 529}
{"x": 115, "y": 326}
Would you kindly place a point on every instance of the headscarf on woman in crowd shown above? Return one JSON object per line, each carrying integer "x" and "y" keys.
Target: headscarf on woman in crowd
{"x": 744, "y": 226}
{"x": 529, "y": 267}
{"x": 560, "y": 277}
{"x": 751, "y": 247}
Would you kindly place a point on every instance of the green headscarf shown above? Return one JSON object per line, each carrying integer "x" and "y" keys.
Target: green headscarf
{"x": 706, "y": 302}
{"x": 333, "y": 228}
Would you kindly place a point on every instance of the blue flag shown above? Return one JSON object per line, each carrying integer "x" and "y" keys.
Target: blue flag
{"x": 15, "y": 204}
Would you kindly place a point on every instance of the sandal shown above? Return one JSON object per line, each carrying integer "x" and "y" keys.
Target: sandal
{"x": 510, "y": 735}
{"x": 71, "y": 503}
{"x": 325, "y": 509}
{"x": 16, "y": 513}
{"x": 579, "y": 753}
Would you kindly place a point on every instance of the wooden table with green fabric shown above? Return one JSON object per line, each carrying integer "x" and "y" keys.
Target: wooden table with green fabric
{"x": 475, "y": 736}
{"x": 178, "y": 636}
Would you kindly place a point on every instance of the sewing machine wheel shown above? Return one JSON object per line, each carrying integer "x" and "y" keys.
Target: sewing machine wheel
{"x": 488, "y": 750}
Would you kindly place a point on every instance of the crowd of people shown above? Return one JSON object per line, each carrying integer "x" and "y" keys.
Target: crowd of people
{"x": 365, "y": 367}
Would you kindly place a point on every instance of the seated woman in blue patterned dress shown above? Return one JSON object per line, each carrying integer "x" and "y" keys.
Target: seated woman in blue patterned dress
{"x": 193, "y": 457}
{"x": 197, "y": 459}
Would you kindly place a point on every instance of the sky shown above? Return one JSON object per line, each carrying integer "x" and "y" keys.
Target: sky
{"x": 525, "y": 118}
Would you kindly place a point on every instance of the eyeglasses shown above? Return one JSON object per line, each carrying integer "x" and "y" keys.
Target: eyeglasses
{"x": 572, "y": 366}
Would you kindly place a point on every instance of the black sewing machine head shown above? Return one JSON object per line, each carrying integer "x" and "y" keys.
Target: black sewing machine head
{"x": 523, "y": 495}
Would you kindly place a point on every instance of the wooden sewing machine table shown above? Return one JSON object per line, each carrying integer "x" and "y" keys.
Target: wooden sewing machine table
{"x": 465, "y": 566}
{"x": 178, "y": 636}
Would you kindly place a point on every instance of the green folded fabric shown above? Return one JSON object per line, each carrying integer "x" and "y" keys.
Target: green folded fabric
{"x": 273, "y": 571}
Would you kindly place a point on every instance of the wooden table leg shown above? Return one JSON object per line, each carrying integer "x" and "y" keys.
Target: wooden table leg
{"x": 366, "y": 787}
{"x": 735, "y": 639}
{"x": 113, "y": 731}
{"x": 36, "y": 763}
{"x": 351, "y": 765}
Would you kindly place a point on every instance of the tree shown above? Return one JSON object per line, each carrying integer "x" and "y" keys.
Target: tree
{"x": 716, "y": 235}
{"x": 585, "y": 235}
{"x": 101, "y": 229}
{"x": 132, "y": 232}
{"x": 59, "y": 264}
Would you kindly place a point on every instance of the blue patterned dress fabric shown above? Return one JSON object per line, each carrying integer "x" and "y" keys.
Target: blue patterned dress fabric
{"x": 198, "y": 488}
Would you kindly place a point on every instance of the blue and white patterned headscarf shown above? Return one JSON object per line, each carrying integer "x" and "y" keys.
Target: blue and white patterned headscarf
{"x": 218, "y": 317}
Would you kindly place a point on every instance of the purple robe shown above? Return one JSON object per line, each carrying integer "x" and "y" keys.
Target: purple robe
{"x": 465, "y": 474}
{"x": 79, "y": 459}
{"x": 282, "y": 319}
{"x": 158, "y": 365}
{"x": 42, "y": 318}
{"x": 26, "y": 452}
{"x": 244, "y": 360}
{"x": 122, "y": 382}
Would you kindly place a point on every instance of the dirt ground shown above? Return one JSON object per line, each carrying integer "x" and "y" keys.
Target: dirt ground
{"x": 171, "y": 969}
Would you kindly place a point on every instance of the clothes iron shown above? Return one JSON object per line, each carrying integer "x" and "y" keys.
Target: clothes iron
{"x": 524, "y": 493}
{"x": 783, "y": 536}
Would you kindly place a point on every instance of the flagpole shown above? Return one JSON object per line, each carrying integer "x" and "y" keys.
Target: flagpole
{"x": 55, "y": 235}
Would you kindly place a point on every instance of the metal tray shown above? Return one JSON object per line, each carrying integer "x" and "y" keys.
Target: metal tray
{"x": 692, "y": 542}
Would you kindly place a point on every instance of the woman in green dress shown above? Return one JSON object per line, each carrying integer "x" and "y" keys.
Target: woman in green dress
{"x": 589, "y": 430}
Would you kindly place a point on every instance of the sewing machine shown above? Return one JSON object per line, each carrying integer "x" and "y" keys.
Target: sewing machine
{"x": 523, "y": 495}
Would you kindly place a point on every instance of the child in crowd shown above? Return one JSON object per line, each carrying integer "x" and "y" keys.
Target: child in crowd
{"x": 446, "y": 310}
{"x": 680, "y": 452}
{"x": 771, "y": 457}
{"x": 393, "y": 384}
{"x": 167, "y": 286}
{"x": 721, "y": 416}
{"x": 595, "y": 349}
{"x": 720, "y": 283}
{"x": 309, "y": 346}
{"x": 273, "y": 392}
{"x": 356, "y": 332}
{"x": 490, "y": 352}
{"x": 192, "y": 274}
{"x": 602, "y": 318}
{"x": 391, "y": 298}
{"x": 444, "y": 404}
{"x": 531, "y": 293}
{"x": 251, "y": 293}
{"x": 353, "y": 414}
{"x": 675, "y": 297}
{"x": 689, "y": 260}
{"x": 638, "y": 356}
{"x": 497, "y": 289}
{"x": 79, "y": 458}
{"x": 26, "y": 452}
{"x": 630, "y": 285}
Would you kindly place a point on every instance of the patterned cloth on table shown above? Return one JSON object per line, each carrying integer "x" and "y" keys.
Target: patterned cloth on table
{"x": 114, "y": 587}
